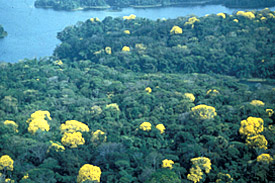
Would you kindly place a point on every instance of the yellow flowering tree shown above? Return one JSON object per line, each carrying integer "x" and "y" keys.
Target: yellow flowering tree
{"x": 11, "y": 124}
{"x": 270, "y": 112}
{"x": 176, "y": 30}
{"x": 145, "y": 126}
{"x": 222, "y": 177}
{"x": 248, "y": 14}
{"x": 257, "y": 141}
{"x": 108, "y": 50}
{"x": 56, "y": 147}
{"x": 189, "y": 96}
{"x": 6, "y": 163}
{"x": 98, "y": 136}
{"x": 126, "y": 49}
{"x": 191, "y": 21}
{"x": 127, "y": 32}
{"x": 148, "y": 90}
{"x": 236, "y": 20}
{"x": 89, "y": 172}
{"x": 251, "y": 126}
{"x": 196, "y": 171}
{"x": 264, "y": 158}
{"x": 161, "y": 128}
{"x": 257, "y": 103}
{"x": 221, "y": 15}
{"x": 72, "y": 140}
{"x": 38, "y": 121}
{"x": 203, "y": 112}
{"x": 167, "y": 164}
{"x": 130, "y": 17}
{"x": 74, "y": 126}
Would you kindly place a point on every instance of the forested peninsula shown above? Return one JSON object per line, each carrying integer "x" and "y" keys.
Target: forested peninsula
{"x": 134, "y": 100}
{"x": 3, "y": 33}
{"x": 115, "y": 4}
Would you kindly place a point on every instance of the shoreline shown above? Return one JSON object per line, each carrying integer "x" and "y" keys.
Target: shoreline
{"x": 118, "y": 8}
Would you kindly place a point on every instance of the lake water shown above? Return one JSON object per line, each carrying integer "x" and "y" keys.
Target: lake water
{"x": 32, "y": 32}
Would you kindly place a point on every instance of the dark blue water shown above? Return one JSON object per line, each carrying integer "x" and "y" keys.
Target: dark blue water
{"x": 32, "y": 32}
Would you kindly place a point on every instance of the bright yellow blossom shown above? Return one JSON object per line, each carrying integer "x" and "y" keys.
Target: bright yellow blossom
{"x": 212, "y": 92}
{"x": 161, "y": 128}
{"x": 190, "y": 97}
{"x": 221, "y": 15}
{"x": 248, "y": 14}
{"x": 74, "y": 126}
{"x": 257, "y": 141}
{"x": 126, "y": 48}
{"x": 130, "y": 17}
{"x": 191, "y": 21}
{"x": 58, "y": 62}
{"x": 6, "y": 163}
{"x": 126, "y": 32}
{"x": 89, "y": 172}
{"x": 38, "y": 123}
{"x": 41, "y": 114}
{"x": 108, "y": 50}
{"x": 167, "y": 163}
{"x": 270, "y": 112}
{"x": 251, "y": 126}
{"x": 145, "y": 126}
{"x": 72, "y": 139}
{"x": 203, "y": 112}
{"x": 257, "y": 103}
{"x": 236, "y": 20}
{"x": 148, "y": 90}
{"x": 96, "y": 136}
{"x": 57, "y": 147}
{"x": 26, "y": 176}
{"x": 176, "y": 30}
{"x": 199, "y": 164}
{"x": 266, "y": 158}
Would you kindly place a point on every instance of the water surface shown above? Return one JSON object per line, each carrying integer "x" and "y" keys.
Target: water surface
{"x": 32, "y": 32}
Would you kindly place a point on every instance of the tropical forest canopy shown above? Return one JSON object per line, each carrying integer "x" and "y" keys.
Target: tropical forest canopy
{"x": 123, "y": 100}
{"x": 239, "y": 45}
{"x": 3, "y": 33}
{"x": 102, "y": 4}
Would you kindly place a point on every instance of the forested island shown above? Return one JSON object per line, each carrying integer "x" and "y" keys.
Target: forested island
{"x": 3, "y": 33}
{"x": 134, "y": 100}
{"x": 116, "y": 4}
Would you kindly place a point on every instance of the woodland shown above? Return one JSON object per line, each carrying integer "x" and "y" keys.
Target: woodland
{"x": 131, "y": 100}
{"x": 116, "y": 4}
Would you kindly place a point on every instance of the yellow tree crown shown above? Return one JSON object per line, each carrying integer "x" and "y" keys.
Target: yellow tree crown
{"x": 74, "y": 126}
{"x": 176, "y": 30}
{"x": 72, "y": 139}
{"x": 6, "y": 163}
{"x": 161, "y": 128}
{"x": 257, "y": 103}
{"x": 167, "y": 163}
{"x": 203, "y": 112}
{"x": 257, "y": 141}
{"x": 190, "y": 97}
{"x": 265, "y": 158}
{"x": 251, "y": 126}
{"x": 145, "y": 126}
{"x": 89, "y": 172}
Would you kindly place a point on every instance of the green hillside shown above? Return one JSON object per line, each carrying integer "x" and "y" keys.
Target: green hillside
{"x": 94, "y": 112}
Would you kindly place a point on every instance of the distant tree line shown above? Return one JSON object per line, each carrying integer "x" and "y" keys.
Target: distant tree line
{"x": 103, "y": 4}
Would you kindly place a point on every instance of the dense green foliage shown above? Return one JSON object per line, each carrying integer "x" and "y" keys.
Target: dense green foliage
{"x": 75, "y": 84}
{"x": 3, "y": 33}
{"x": 76, "y": 4}
{"x": 249, "y": 3}
{"x": 211, "y": 45}
{"x": 130, "y": 154}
